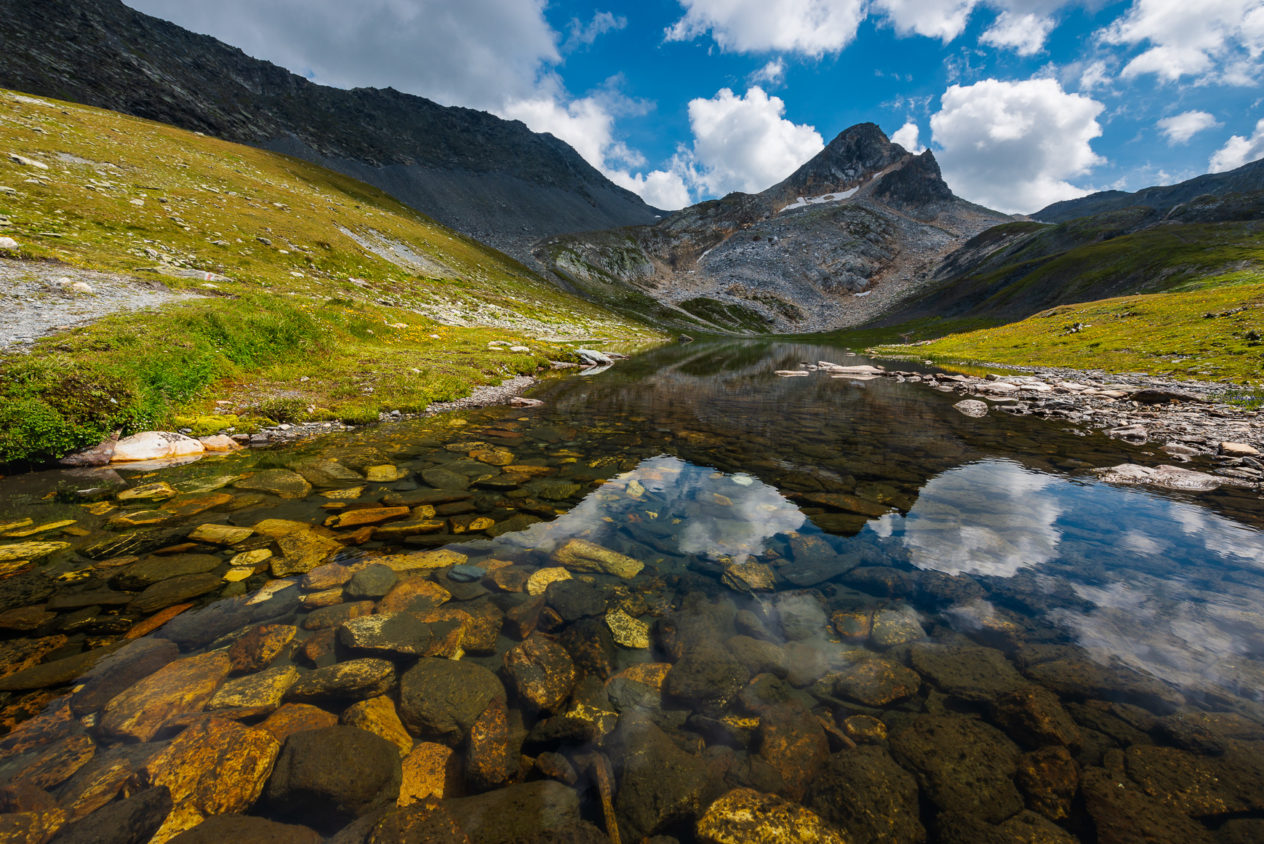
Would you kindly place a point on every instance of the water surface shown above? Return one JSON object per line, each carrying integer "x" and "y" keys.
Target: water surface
{"x": 838, "y": 595}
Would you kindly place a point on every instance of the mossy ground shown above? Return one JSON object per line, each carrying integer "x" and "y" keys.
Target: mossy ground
{"x": 315, "y": 276}
{"x": 1212, "y": 329}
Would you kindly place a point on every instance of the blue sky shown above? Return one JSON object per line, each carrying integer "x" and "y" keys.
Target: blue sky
{"x": 1024, "y": 102}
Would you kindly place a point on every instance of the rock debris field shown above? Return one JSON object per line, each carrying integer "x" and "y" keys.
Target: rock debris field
{"x": 39, "y": 298}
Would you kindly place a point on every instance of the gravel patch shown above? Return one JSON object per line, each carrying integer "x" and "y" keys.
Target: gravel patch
{"x": 485, "y": 396}
{"x": 39, "y": 298}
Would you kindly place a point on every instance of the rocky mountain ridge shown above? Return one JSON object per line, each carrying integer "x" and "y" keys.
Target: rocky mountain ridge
{"x": 851, "y": 231}
{"x": 490, "y": 178}
{"x": 1247, "y": 178}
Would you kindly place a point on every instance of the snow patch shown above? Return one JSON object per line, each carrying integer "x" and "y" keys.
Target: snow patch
{"x": 805, "y": 201}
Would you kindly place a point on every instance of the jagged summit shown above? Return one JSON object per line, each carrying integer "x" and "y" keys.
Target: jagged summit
{"x": 490, "y": 178}
{"x": 854, "y": 157}
{"x": 851, "y": 231}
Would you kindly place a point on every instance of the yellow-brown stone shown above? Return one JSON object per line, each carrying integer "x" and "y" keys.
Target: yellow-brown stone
{"x": 294, "y": 718}
{"x": 323, "y": 598}
{"x": 263, "y": 690}
{"x": 422, "y": 560}
{"x": 251, "y": 558}
{"x": 540, "y": 579}
{"x": 214, "y": 767}
{"x": 348, "y": 494}
{"x": 652, "y": 674}
{"x": 582, "y": 555}
{"x": 413, "y": 594}
{"x": 184, "y": 685}
{"x": 197, "y": 504}
{"x": 32, "y": 531}
{"x": 259, "y": 646}
{"x": 412, "y": 527}
{"x": 366, "y": 516}
{"x": 489, "y": 759}
{"x": 385, "y": 473}
{"x": 158, "y": 619}
{"x": 221, "y": 534}
{"x": 378, "y": 716}
{"x": 493, "y": 456}
{"x": 749, "y": 577}
{"x": 511, "y": 578}
{"x": 744, "y": 815}
{"x": 627, "y": 631}
{"x": 138, "y": 518}
{"x": 302, "y": 551}
{"x": 23, "y": 551}
{"x": 431, "y": 770}
{"x": 148, "y": 492}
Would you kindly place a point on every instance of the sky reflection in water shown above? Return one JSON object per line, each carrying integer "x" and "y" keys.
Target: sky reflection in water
{"x": 1172, "y": 589}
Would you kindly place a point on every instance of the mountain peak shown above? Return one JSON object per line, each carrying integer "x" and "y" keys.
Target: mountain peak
{"x": 854, "y": 157}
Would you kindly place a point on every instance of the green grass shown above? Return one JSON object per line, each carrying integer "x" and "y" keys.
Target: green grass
{"x": 305, "y": 322}
{"x": 1212, "y": 330}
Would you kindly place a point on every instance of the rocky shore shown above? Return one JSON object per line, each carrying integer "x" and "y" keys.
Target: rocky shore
{"x": 1186, "y": 420}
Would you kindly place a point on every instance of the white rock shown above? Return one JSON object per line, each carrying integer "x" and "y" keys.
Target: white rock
{"x": 791, "y": 373}
{"x": 519, "y": 349}
{"x": 27, "y": 162}
{"x": 1238, "y": 450}
{"x": 219, "y": 442}
{"x": 155, "y": 445}
{"x": 1167, "y": 477}
{"x": 972, "y": 408}
{"x": 82, "y": 287}
{"x": 591, "y": 356}
{"x": 9, "y": 244}
{"x": 859, "y": 369}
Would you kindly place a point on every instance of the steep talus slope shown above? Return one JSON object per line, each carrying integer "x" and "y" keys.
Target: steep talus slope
{"x": 489, "y": 178}
{"x": 1015, "y": 270}
{"x": 1245, "y": 179}
{"x": 850, "y": 232}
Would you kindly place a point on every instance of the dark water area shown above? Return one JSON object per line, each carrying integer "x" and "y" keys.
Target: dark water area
{"x": 683, "y": 598}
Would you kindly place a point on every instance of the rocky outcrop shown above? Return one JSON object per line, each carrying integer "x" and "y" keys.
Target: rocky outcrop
{"x": 847, "y": 234}
{"x": 490, "y": 178}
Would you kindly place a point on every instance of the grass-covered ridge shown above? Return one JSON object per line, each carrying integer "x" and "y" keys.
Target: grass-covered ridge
{"x": 1211, "y": 329}
{"x": 325, "y": 297}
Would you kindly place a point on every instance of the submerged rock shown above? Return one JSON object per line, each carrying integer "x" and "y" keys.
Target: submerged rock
{"x": 212, "y": 768}
{"x": 963, "y": 764}
{"x": 744, "y": 815}
{"x": 179, "y": 687}
{"x": 864, "y": 793}
{"x": 440, "y": 699}
{"x": 582, "y": 555}
{"x": 331, "y": 775}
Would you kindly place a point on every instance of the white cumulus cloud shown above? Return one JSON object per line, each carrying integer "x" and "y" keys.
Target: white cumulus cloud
{"x": 1025, "y": 34}
{"x": 666, "y": 189}
{"x": 1211, "y": 40}
{"x": 1239, "y": 150}
{"x": 772, "y": 73}
{"x": 745, "y": 143}
{"x": 942, "y": 19}
{"x": 906, "y": 136}
{"x": 1179, "y": 128}
{"x": 816, "y": 27}
{"x": 1013, "y": 145}
{"x": 811, "y": 27}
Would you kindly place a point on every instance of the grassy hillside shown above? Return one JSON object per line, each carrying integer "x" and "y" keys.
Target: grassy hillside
{"x": 1211, "y": 329}
{"x": 1014, "y": 271}
{"x": 325, "y": 298}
